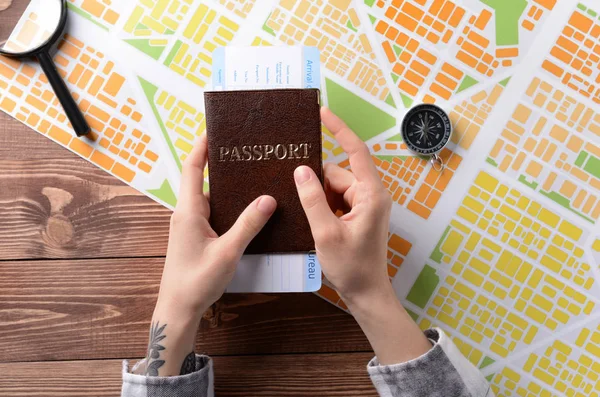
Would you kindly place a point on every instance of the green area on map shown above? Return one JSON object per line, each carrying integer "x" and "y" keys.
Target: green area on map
{"x": 364, "y": 118}
{"x": 593, "y": 166}
{"x": 491, "y": 161}
{"x": 150, "y": 90}
{"x": 437, "y": 254}
{"x": 581, "y": 158}
{"x": 173, "y": 52}
{"x": 523, "y": 180}
{"x": 564, "y": 202}
{"x": 508, "y": 15}
{"x": 165, "y": 193}
{"x": 144, "y": 46}
{"x": 424, "y": 286}
{"x": 467, "y": 83}
{"x": 268, "y": 29}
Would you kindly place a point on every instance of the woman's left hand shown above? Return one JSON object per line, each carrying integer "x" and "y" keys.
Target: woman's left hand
{"x": 199, "y": 264}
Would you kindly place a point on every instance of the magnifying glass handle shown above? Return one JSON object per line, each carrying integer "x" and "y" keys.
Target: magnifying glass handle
{"x": 73, "y": 112}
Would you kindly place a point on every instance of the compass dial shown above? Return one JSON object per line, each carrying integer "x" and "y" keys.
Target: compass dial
{"x": 426, "y": 129}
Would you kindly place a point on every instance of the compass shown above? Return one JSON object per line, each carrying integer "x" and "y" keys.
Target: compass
{"x": 426, "y": 130}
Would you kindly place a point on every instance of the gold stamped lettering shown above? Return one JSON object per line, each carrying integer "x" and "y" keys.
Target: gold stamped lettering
{"x": 257, "y": 152}
{"x": 235, "y": 154}
{"x": 269, "y": 149}
{"x": 247, "y": 153}
{"x": 306, "y": 146}
{"x": 293, "y": 151}
{"x": 223, "y": 152}
{"x": 280, "y": 151}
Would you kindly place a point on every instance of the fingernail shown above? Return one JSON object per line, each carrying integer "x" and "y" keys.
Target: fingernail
{"x": 301, "y": 175}
{"x": 266, "y": 205}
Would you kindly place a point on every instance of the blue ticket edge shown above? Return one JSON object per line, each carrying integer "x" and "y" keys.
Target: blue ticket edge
{"x": 312, "y": 79}
{"x": 218, "y": 67}
{"x": 312, "y": 273}
{"x": 311, "y": 69}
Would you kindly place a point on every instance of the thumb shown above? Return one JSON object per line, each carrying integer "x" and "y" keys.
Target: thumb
{"x": 313, "y": 200}
{"x": 250, "y": 223}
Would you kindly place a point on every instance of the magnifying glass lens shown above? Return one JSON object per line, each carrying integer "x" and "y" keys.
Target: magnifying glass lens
{"x": 29, "y": 28}
{"x": 26, "y": 25}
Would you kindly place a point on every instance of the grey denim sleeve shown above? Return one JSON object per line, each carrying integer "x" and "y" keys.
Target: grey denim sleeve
{"x": 197, "y": 384}
{"x": 441, "y": 372}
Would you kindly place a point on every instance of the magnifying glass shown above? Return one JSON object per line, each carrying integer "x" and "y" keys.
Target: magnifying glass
{"x": 28, "y": 29}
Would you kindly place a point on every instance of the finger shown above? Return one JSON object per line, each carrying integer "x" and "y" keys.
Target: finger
{"x": 358, "y": 153}
{"x": 313, "y": 200}
{"x": 192, "y": 178}
{"x": 250, "y": 223}
{"x": 338, "y": 179}
{"x": 336, "y": 202}
{"x": 339, "y": 189}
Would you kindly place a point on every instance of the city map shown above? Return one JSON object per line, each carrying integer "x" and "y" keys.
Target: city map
{"x": 501, "y": 250}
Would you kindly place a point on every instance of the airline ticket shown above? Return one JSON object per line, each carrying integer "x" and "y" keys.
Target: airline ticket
{"x": 260, "y": 68}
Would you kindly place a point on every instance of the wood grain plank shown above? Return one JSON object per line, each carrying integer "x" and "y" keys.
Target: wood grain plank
{"x": 19, "y": 142}
{"x": 75, "y": 378}
{"x": 294, "y": 375}
{"x": 287, "y": 375}
{"x": 83, "y": 309}
{"x": 9, "y": 15}
{"x": 68, "y": 208}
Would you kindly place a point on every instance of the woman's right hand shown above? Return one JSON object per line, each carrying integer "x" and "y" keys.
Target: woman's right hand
{"x": 352, "y": 248}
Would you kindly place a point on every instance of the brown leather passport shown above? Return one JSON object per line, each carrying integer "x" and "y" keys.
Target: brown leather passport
{"x": 256, "y": 139}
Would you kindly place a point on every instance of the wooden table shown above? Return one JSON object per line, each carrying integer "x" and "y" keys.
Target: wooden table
{"x": 81, "y": 256}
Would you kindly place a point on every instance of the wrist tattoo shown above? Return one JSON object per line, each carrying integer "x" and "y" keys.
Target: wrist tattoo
{"x": 189, "y": 364}
{"x": 154, "y": 349}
